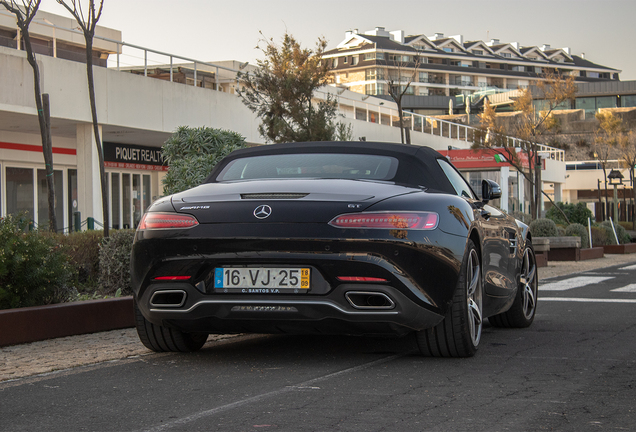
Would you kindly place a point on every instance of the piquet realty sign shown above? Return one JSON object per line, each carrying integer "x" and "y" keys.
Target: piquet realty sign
{"x": 136, "y": 157}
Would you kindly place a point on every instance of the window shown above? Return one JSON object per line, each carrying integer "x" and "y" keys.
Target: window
{"x": 73, "y": 205}
{"x": 335, "y": 62}
{"x": 379, "y": 56}
{"x": 478, "y": 52}
{"x": 345, "y": 59}
{"x": 20, "y": 191}
{"x": 115, "y": 202}
{"x": 455, "y": 178}
{"x": 423, "y": 77}
{"x": 354, "y": 60}
{"x": 370, "y": 74}
{"x": 369, "y": 89}
{"x": 43, "y": 199}
{"x": 400, "y": 58}
{"x": 369, "y": 56}
{"x": 506, "y": 55}
{"x": 449, "y": 50}
{"x": 628, "y": 101}
{"x": 311, "y": 165}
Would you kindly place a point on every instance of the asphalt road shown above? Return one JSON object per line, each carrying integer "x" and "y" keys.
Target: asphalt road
{"x": 573, "y": 370}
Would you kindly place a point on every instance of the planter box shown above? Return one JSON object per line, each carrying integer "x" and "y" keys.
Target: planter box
{"x": 542, "y": 259}
{"x": 32, "y": 324}
{"x": 575, "y": 254}
{"x": 591, "y": 253}
{"x": 541, "y": 244}
{"x": 620, "y": 249}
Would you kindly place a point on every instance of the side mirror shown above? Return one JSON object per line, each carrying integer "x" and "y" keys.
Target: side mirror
{"x": 490, "y": 190}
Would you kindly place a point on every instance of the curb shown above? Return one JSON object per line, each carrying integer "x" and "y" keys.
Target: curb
{"x": 23, "y": 325}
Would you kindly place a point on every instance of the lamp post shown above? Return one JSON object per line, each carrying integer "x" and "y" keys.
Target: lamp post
{"x": 615, "y": 178}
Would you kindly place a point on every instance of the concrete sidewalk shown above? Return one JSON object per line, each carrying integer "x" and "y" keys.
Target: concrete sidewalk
{"x": 63, "y": 353}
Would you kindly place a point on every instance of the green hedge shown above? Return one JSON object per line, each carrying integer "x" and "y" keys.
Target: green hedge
{"x": 39, "y": 268}
{"x": 114, "y": 263}
{"x": 34, "y": 267}
{"x": 543, "y": 227}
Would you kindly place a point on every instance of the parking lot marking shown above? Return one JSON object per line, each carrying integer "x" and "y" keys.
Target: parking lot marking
{"x": 631, "y": 267}
{"x": 631, "y": 288}
{"x": 571, "y": 283}
{"x": 586, "y": 300}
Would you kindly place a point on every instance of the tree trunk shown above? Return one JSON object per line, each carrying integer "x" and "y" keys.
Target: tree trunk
{"x": 98, "y": 142}
{"x": 401, "y": 119}
{"x": 50, "y": 178}
{"x": 607, "y": 208}
{"x": 45, "y": 131}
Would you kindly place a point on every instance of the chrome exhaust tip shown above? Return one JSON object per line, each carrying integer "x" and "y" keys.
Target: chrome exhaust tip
{"x": 369, "y": 300}
{"x": 168, "y": 298}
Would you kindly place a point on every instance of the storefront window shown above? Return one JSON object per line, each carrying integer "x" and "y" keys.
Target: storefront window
{"x": 136, "y": 200}
{"x": 20, "y": 191}
{"x": 126, "y": 201}
{"x": 115, "y": 201}
{"x": 43, "y": 200}
{"x": 73, "y": 204}
{"x": 146, "y": 194}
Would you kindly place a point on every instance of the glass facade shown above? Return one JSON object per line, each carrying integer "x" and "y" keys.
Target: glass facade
{"x": 43, "y": 200}
{"x": 20, "y": 191}
{"x": 115, "y": 201}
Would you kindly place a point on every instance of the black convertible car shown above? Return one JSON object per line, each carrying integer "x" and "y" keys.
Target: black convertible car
{"x": 332, "y": 238}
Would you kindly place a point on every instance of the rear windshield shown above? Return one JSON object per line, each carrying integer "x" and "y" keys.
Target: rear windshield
{"x": 311, "y": 165}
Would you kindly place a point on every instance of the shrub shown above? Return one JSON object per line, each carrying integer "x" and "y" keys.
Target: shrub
{"x": 543, "y": 227}
{"x": 622, "y": 235}
{"x": 560, "y": 231}
{"x": 34, "y": 269}
{"x": 191, "y": 153}
{"x": 576, "y": 229}
{"x": 83, "y": 251}
{"x": 576, "y": 213}
{"x": 629, "y": 226}
{"x": 599, "y": 236}
{"x": 523, "y": 217}
{"x": 114, "y": 262}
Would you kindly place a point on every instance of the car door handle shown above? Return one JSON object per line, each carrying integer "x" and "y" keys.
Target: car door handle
{"x": 485, "y": 214}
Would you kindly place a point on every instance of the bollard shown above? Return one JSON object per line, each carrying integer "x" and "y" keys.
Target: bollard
{"x": 90, "y": 223}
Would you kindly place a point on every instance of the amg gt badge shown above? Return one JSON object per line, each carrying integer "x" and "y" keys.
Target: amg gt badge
{"x": 262, "y": 211}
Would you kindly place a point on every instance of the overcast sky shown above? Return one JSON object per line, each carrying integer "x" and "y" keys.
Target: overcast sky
{"x": 211, "y": 30}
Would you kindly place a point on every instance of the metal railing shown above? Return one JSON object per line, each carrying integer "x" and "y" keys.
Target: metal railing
{"x": 117, "y": 63}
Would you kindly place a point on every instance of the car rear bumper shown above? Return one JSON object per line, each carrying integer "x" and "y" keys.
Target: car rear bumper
{"x": 345, "y": 310}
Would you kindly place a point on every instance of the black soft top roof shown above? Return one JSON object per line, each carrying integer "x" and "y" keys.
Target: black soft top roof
{"x": 417, "y": 164}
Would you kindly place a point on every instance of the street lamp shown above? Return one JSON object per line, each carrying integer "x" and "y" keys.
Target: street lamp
{"x": 615, "y": 178}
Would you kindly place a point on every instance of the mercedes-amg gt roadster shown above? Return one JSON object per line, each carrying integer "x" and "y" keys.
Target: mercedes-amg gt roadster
{"x": 352, "y": 238}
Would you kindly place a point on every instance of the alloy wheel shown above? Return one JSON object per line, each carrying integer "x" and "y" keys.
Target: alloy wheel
{"x": 474, "y": 297}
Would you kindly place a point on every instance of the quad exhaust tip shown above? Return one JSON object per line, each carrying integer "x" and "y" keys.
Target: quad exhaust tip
{"x": 369, "y": 300}
{"x": 168, "y": 298}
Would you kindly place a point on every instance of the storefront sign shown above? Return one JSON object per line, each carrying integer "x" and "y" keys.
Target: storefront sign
{"x": 492, "y": 158}
{"x": 133, "y": 157}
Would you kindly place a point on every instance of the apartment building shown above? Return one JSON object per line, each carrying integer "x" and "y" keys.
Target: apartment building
{"x": 449, "y": 66}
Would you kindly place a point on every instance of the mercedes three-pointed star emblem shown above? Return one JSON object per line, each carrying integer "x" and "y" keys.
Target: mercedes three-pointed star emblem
{"x": 262, "y": 211}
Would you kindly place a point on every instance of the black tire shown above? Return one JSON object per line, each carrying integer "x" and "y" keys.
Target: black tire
{"x": 523, "y": 309}
{"x": 164, "y": 339}
{"x": 458, "y": 335}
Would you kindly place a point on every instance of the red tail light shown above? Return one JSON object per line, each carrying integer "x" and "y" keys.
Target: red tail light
{"x": 167, "y": 221}
{"x": 171, "y": 278}
{"x": 387, "y": 220}
{"x": 360, "y": 279}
